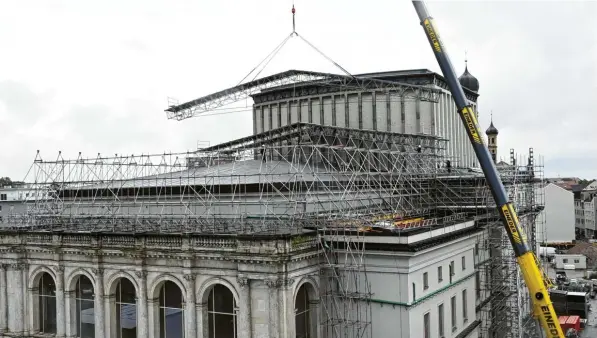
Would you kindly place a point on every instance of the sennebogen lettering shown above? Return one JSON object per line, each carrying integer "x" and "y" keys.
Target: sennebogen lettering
{"x": 511, "y": 223}
{"x": 472, "y": 126}
{"x": 432, "y": 36}
{"x": 553, "y": 329}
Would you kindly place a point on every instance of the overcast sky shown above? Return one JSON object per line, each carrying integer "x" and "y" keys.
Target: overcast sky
{"x": 94, "y": 76}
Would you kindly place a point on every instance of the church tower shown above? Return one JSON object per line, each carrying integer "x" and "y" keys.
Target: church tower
{"x": 492, "y": 134}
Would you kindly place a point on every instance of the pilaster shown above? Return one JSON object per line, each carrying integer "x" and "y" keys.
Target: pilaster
{"x": 16, "y": 298}
{"x": 98, "y": 303}
{"x": 189, "y": 306}
{"x": 60, "y": 303}
{"x": 202, "y": 328}
{"x": 244, "y": 316}
{"x": 143, "y": 330}
{"x": 3, "y": 299}
{"x": 273, "y": 285}
{"x": 286, "y": 311}
{"x": 70, "y": 310}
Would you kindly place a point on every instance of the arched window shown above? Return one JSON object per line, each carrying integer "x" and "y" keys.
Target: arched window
{"x": 221, "y": 312}
{"x": 171, "y": 311}
{"x": 302, "y": 313}
{"x": 126, "y": 309}
{"x": 84, "y": 299}
{"x": 47, "y": 304}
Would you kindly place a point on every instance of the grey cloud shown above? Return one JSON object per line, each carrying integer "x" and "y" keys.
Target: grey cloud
{"x": 21, "y": 102}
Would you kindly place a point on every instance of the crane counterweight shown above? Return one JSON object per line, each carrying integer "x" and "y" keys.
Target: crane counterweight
{"x": 527, "y": 261}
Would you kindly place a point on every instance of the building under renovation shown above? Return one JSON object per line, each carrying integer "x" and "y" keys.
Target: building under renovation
{"x": 354, "y": 210}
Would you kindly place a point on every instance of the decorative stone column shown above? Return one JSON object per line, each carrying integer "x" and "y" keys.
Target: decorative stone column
{"x": 109, "y": 315}
{"x": 70, "y": 309}
{"x": 3, "y": 299}
{"x": 142, "y": 322}
{"x": 153, "y": 319}
{"x": 274, "y": 319}
{"x": 286, "y": 311}
{"x": 314, "y": 310}
{"x": 23, "y": 309}
{"x": 17, "y": 299}
{"x": 98, "y": 303}
{"x": 244, "y": 317}
{"x": 60, "y": 318}
{"x": 189, "y": 307}
{"x": 202, "y": 328}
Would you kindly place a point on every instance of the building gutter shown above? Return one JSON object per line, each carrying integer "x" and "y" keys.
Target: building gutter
{"x": 422, "y": 299}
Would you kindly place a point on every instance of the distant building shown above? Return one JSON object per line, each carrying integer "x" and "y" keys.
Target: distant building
{"x": 492, "y": 134}
{"x": 12, "y": 198}
{"x": 568, "y": 260}
{"x": 585, "y": 207}
{"x": 559, "y": 215}
{"x": 589, "y": 250}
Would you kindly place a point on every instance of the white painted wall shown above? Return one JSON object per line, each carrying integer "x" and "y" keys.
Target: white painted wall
{"x": 559, "y": 215}
{"x": 395, "y": 313}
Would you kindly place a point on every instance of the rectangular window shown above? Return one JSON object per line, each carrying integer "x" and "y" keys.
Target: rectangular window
{"x": 3, "y": 197}
{"x": 577, "y": 261}
{"x": 451, "y": 270}
{"x": 414, "y": 293}
{"x": 440, "y": 318}
{"x": 464, "y": 307}
{"x": 476, "y": 249}
{"x": 478, "y": 284}
{"x": 565, "y": 260}
{"x": 426, "y": 324}
{"x": 463, "y": 263}
{"x": 425, "y": 281}
{"x": 440, "y": 278}
{"x": 453, "y": 305}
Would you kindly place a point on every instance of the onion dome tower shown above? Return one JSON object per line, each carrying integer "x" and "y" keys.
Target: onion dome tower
{"x": 467, "y": 80}
{"x": 492, "y": 134}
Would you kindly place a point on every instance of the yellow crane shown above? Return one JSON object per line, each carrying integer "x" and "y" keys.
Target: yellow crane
{"x": 527, "y": 261}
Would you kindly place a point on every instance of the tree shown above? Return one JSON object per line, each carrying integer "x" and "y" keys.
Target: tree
{"x": 5, "y": 181}
{"x": 583, "y": 181}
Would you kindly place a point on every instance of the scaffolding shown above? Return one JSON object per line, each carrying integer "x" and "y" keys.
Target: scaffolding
{"x": 503, "y": 300}
{"x": 339, "y": 182}
{"x": 336, "y": 181}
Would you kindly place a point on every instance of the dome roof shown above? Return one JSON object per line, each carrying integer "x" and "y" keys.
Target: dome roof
{"x": 491, "y": 130}
{"x": 468, "y": 80}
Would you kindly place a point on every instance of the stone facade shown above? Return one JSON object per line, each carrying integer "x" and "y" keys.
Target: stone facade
{"x": 262, "y": 273}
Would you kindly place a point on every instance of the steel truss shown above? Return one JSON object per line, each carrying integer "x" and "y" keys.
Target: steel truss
{"x": 297, "y": 176}
{"x": 296, "y": 77}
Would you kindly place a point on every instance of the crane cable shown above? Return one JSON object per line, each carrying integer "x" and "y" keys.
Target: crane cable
{"x": 274, "y": 52}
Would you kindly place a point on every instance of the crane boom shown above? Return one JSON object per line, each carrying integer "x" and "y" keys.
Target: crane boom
{"x": 542, "y": 306}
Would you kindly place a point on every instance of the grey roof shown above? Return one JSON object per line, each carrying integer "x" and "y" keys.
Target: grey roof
{"x": 231, "y": 173}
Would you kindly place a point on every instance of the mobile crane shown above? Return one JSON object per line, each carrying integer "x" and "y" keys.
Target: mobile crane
{"x": 527, "y": 261}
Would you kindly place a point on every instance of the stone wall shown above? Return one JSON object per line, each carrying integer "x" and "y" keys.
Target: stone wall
{"x": 263, "y": 273}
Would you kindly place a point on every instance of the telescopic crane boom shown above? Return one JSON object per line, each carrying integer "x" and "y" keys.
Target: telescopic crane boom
{"x": 542, "y": 306}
